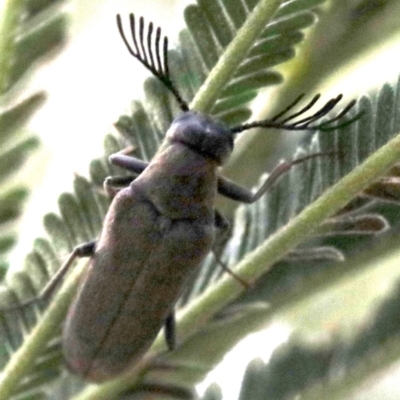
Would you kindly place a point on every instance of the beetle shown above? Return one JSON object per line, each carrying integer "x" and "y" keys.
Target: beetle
{"x": 159, "y": 228}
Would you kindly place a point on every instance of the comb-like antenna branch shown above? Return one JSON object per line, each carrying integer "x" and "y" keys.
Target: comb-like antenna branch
{"x": 159, "y": 65}
{"x": 288, "y": 108}
{"x": 133, "y": 30}
{"x": 149, "y": 37}
{"x": 141, "y": 39}
{"x": 146, "y": 51}
{"x": 304, "y": 109}
{"x": 329, "y": 106}
{"x": 306, "y": 122}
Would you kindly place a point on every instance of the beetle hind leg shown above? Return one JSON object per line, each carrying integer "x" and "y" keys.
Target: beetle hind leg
{"x": 83, "y": 250}
{"x": 170, "y": 331}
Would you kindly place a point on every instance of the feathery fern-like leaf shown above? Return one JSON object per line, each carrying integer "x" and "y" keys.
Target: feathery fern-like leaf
{"x": 28, "y": 31}
{"x": 190, "y": 65}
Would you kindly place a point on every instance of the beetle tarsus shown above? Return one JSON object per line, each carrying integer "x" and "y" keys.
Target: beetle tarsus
{"x": 242, "y": 281}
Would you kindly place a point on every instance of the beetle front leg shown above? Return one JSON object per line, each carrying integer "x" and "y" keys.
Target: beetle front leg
{"x": 112, "y": 183}
{"x": 236, "y": 192}
{"x": 129, "y": 163}
{"x": 83, "y": 250}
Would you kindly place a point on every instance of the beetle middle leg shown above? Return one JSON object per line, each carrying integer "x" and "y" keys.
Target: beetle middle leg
{"x": 83, "y": 250}
{"x": 236, "y": 192}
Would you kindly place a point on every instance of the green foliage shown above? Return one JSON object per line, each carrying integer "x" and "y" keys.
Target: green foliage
{"x": 29, "y": 31}
{"x": 295, "y": 238}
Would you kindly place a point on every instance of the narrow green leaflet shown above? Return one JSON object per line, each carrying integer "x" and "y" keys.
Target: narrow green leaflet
{"x": 28, "y": 32}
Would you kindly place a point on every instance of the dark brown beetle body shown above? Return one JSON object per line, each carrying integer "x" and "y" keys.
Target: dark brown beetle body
{"x": 157, "y": 232}
{"x": 159, "y": 227}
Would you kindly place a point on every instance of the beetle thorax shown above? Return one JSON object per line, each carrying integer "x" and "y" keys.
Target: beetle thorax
{"x": 180, "y": 183}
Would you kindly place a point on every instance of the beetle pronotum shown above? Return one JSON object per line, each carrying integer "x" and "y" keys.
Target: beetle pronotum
{"x": 159, "y": 227}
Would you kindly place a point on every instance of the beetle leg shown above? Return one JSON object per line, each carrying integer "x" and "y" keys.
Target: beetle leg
{"x": 243, "y": 282}
{"x": 129, "y": 163}
{"x": 170, "y": 331}
{"x": 223, "y": 224}
{"x": 83, "y": 250}
{"x": 236, "y": 192}
{"x": 113, "y": 184}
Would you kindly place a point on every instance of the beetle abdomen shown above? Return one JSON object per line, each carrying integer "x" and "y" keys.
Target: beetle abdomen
{"x": 121, "y": 307}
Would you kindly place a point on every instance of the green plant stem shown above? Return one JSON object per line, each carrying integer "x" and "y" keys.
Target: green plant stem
{"x": 9, "y": 15}
{"x": 23, "y": 361}
{"x": 234, "y": 54}
{"x": 261, "y": 260}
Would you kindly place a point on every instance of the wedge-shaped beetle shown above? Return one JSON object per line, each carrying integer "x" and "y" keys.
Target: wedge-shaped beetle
{"x": 159, "y": 228}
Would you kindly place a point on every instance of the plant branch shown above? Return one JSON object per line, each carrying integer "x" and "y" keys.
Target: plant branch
{"x": 9, "y": 16}
{"x": 234, "y": 54}
{"x": 23, "y": 361}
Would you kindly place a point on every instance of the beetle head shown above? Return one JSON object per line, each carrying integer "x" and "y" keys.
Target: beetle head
{"x": 203, "y": 134}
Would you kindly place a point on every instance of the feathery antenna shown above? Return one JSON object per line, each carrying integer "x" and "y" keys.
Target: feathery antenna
{"x": 151, "y": 53}
{"x": 305, "y": 123}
